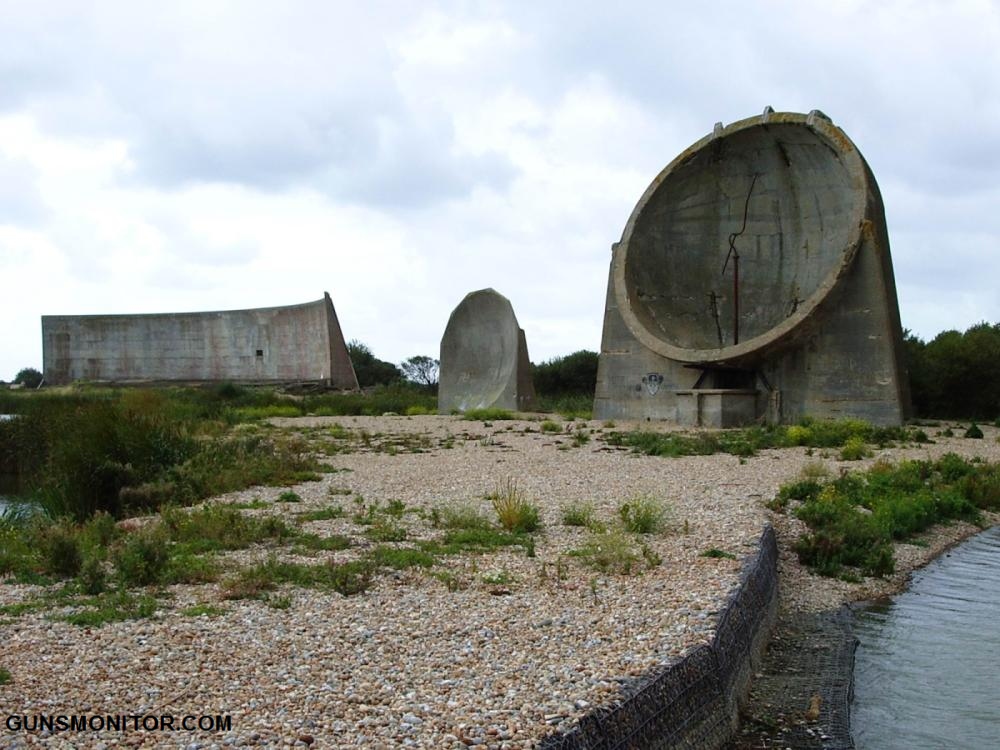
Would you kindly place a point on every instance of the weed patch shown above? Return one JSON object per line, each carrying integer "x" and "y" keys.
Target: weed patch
{"x": 643, "y": 515}
{"x": 609, "y": 552}
{"x": 112, "y": 607}
{"x": 578, "y": 514}
{"x": 718, "y": 553}
{"x": 203, "y": 610}
{"x": 400, "y": 558}
{"x": 489, "y": 415}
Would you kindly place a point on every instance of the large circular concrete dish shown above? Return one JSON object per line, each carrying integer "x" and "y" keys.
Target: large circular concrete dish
{"x": 782, "y": 197}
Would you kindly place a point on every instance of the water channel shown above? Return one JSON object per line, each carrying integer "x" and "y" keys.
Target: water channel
{"x": 927, "y": 671}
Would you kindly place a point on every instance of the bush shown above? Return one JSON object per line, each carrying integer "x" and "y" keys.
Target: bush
{"x": 142, "y": 559}
{"x": 854, "y": 449}
{"x": 854, "y": 519}
{"x": 92, "y": 578}
{"x": 974, "y": 432}
{"x": 62, "y": 549}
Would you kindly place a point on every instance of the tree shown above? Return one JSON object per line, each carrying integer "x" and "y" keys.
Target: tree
{"x": 370, "y": 370}
{"x": 575, "y": 373}
{"x": 29, "y": 377}
{"x": 421, "y": 369}
{"x": 951, "y": 376}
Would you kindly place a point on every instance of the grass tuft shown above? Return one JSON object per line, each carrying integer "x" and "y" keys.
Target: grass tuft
{"x": 515, "y": 513}
{"x": 578, "y": 514}
{"x": 643, "y": 515}
{"x": 609, "y": 552}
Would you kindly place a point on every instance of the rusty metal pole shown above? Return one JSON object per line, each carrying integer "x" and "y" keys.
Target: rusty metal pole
{"x": 736, "y": 297}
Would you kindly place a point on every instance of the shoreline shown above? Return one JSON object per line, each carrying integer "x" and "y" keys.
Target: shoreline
{"x": 811, "y": 653}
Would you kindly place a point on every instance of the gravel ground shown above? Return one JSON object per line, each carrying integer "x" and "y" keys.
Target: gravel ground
{"x": 516, "y": 647}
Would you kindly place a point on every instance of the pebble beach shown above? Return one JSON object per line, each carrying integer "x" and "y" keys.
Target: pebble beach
{"x": 493, "y": 649}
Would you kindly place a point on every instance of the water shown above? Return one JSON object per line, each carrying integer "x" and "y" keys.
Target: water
{"x": 928, "y": 667}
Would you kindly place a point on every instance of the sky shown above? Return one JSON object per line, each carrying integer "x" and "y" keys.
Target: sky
{"x": 183, "y": 156}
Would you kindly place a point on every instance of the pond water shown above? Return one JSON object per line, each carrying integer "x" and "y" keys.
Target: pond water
{"x": 927, "y": 673}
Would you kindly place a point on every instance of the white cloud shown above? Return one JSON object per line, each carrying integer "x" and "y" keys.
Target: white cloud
{"x": 226, "y": 155}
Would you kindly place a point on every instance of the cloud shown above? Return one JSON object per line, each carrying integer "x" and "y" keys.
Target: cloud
{"x": 21, "y": 202}
{"x": 235, "y": 154}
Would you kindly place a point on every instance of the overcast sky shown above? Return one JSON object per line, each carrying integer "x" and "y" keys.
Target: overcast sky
{"x": 208, "y": 155}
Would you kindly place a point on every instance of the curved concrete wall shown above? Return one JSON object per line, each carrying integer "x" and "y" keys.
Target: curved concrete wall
{"x": 292, "y": 343}
{"x": 484, "y": 357}
{"x": 809, "y": 327}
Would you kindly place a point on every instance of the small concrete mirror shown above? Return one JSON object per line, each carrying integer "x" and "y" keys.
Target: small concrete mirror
{"x": 484, "y": 357}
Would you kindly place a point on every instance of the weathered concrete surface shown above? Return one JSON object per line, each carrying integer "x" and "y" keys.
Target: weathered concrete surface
{"x": 292, "y": 343}
{"x": 484, "y": 357}
{"x": 813, "y": 323}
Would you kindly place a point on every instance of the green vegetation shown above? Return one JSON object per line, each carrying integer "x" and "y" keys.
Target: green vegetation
{"x": 459, "y": 516}
{"x": 492, "y": 414}
{"x": 549, "y": 426}
{"x": 400, "y": 558}
{"x": 221, "y": 527}
{"x": 347, "y": 578}
{"x": 111, "y": 607}
{"x": 29, "y": 377}
{"x": 458, "y": 541}
{"x": 422, "y": 370}
{"x": 203, "y": 610}
{"x": 5, "y": 676}
{"x": 578, "y": 514}
{"x": 746, "y": 442}
{"x": 568, "y": 405}
{"x": 855, "y": 449}
{"x": 575, "y": 373}
{"x": 949, "y": 376}
{"x": 718, "y": 553}
{"x": 565, "y": 385}
{"x": 143, "y": 558}
{"x": 974, "y": 432}
{"x": 854, "y": 519}
{"x": 385, "y": 530}
{"x": 370, "y": 370}
{"x": 498, "y": 578}
{"x": 323, "y": 514}
{"x": 134, "y": 450}
{"x": 609, "y": 552}
{"x": 643, "y": 515}
{"x": 514, "y": 511}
